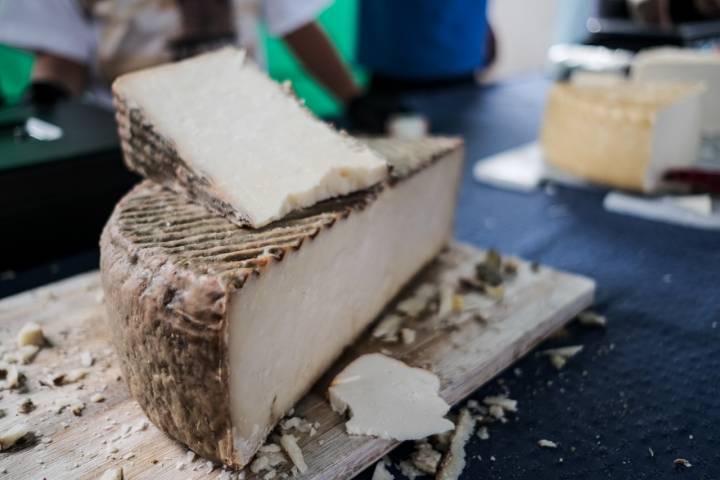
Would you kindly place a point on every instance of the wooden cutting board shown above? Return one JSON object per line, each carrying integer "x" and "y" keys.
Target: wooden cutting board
{"x": 115, "y": 432}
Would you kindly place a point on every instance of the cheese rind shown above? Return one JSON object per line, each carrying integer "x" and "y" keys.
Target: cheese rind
{"x": 678, "y": 65}
{"x": 622, "y": 136}
{"x": 218, "y": 130}
{"x": 221, "y": 329}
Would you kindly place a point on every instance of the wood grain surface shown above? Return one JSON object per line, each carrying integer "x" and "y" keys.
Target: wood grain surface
{"x": 115, "y": 432}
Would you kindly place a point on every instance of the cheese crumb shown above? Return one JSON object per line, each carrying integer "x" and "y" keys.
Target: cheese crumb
{"x": 289, "y": 443}
{"x": 408, "y": 335}
{"x": 409, "y": 470}
{"x": 12, "y": 435}
{"x": 445, "y": 307}
{"x": 506, "y": 404}
{"x": 260, "y": 464}
{"x": 30, "y": 334}
{"x": 72, "y": 376}
{"x": 13, "y": 378}
{"x": 426, "y": 458}
{"x": 112, "y": 474}
{"x": 86, "y": 359}
{"x": 142, "y": 425}
{"x": 381, "y": 472}
{"x": 388, "y": 328}
{"x": 413, "y": 306}
{"x": 77, "y": 408}
{"x": 454, "y": 462}
{"x": 97, "y": 398}
{"x": 560, "y": 356}
{"x": 592, "y": 319}
{"x": 543, "y": 443}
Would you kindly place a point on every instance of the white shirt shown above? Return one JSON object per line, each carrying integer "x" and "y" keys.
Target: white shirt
{"x": 116, "y": 36}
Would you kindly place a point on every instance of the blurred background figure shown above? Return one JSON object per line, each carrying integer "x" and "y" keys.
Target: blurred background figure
{"x": 408, "y": 45}
{"x": 661, "y": 12}
{"x": 83, "y": 45}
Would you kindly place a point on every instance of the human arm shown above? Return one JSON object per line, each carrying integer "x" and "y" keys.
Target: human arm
{"x": 318, "y": 55}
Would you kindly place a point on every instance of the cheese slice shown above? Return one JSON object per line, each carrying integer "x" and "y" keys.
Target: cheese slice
{"x": 624, "y": 136}
{"x": 673, "y": 65}
{"x": 218, "y": 130}
{"x": 389, "y": 399}
{"x": 221, "y": 329}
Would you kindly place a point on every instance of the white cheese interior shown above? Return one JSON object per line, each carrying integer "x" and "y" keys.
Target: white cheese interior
{"x": 264, "y": 153}
{"x": 672, "y": 65}
{"x": 292, "y": 322}
{"x": 389, "y": 399}
{"x": 624, "y": 136}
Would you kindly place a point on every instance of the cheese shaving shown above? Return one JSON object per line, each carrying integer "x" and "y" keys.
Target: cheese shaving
{"x": 454, "y": 462}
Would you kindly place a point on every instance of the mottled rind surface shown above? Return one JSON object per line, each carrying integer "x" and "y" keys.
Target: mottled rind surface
{"x": 167, "y": 325}
{"x": 168, "y": 270}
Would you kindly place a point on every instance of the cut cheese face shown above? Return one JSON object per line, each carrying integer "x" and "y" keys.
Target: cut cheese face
{"x": 221, "y": 329}
{"x": 624, "y": 136}
{"x": 220, "y": 131}
{"x": 673, "y": 65}
{"x": 295, "y": 309}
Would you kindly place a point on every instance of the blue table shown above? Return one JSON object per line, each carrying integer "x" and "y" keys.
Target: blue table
{"x": 650, "y": 381}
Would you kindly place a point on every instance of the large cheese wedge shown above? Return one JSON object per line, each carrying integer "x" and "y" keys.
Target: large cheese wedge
{"x": 221, "y": 329}
{"x": 673, "y": 65}
{"x": 218, "y": 130}
{"x": 625, "y": 136}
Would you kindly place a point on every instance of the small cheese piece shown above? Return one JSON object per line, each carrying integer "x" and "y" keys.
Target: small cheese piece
{"x": 112, "y": 474}
{"x": 589, "y": 318}
{"x": 11, "y": 435}
{"x": 544, "y": 443}
{"x": 454, "y": 462}
{"x": 30, "y": 334}
{"x": 560, "y": 356}
{"x": 388, "y": 399}
{"x": 217, "y": 327}
{"x": 219, "y": 130}
{"x": 289, "y": 444}
{"x": 381, "y": 472}
{"x": 625, "y": 136}
{"x": 673, "y": 65}
{"x": 426, "y": 458}
{"x": 13, "y": 377}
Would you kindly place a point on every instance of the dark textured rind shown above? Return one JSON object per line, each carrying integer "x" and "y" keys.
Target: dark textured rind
{"x": 168, "y": 270}
{"x": 167, "y": 325}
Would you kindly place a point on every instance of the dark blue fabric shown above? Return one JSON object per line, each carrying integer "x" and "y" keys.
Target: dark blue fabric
{"x": 422, "y": 39}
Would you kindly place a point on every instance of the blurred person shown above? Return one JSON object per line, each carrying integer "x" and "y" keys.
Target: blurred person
{"x": 418, "y": 44}
{"x": 81, "y": 46}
